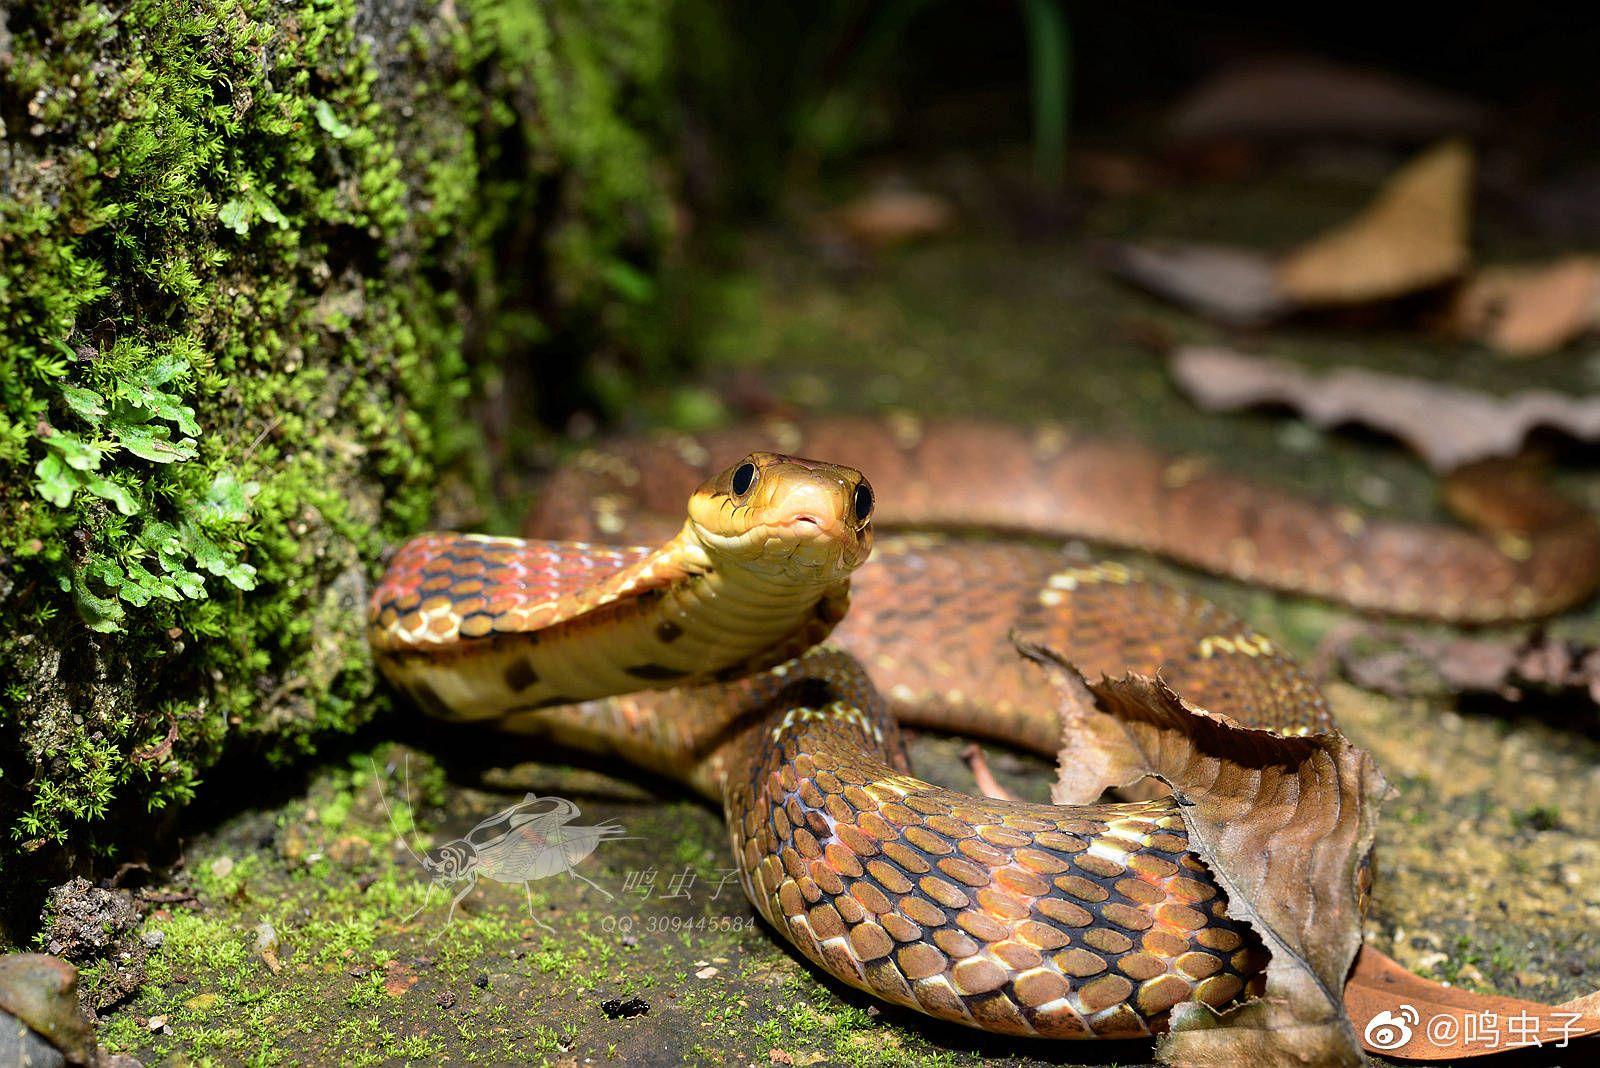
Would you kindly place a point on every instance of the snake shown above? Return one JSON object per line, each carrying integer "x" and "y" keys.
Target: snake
{"x": 753, "y": 653}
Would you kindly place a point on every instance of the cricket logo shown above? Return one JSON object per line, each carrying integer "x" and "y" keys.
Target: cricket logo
{"x": 532, "y": 839}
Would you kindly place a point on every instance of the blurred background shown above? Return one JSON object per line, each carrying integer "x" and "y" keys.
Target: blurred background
{"x": 945, "y": 206}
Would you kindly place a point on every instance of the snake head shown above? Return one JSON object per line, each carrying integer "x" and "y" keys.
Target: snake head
{"x": 783, "y": 516}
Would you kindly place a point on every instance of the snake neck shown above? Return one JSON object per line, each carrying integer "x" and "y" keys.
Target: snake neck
{"x": 680, "y": 615}
{"x": 738, "y": 618}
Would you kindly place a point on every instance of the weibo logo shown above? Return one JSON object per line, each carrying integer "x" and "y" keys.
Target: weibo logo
{"x": 1391, "y": 1030}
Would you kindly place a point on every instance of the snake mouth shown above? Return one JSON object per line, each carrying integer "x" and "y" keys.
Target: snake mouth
{"x": 811, "y": 548}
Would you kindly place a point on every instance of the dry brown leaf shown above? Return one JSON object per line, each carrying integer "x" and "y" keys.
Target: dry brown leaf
{"x": 1301, "y": 96}
{"x": 1447, "y": 426}
{"x": 1285, "y": 825}
{"x": 887, "y": 217}
{"x": 1588, "y": 1004}
{"x": 1411, "y": 237}
{"x": 1529, "y": 310}
{"x": 1232, "y": 285}
{"x": 1513, "y": 667}
{"x": 1405, "y": 1016}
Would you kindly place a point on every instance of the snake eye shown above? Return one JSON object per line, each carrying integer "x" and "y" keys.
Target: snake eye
{"x": 863, "y": 504}
{"x": 744, "y": 477}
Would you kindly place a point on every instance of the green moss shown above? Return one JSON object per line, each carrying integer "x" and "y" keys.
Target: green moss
{"x": 253, "y": 258}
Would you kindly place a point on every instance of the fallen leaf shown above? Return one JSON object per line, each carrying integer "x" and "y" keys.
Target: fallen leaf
{"x": 1285, "y": 824}
{"x": 1304, "y": 96}
{"x": 1403, "y": 1015}
{"x": 892, "y": 216}
{"x": 1407, "y": 664}
{"x": 1411, "y": 237}
{"x": 1529, "y": 310}
{"x": 1448, "y": 426}
{"x": 1232, "y": 285}
{"x": 1588, "y": 1004}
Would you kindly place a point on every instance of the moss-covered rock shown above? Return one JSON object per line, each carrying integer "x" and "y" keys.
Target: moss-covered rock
{"x": 253, "y": 257}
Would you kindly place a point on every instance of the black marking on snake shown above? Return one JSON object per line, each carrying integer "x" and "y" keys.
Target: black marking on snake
{"x": 655, "y": 672}
{"x": 829, "y": 610}
{"x": 667, "y": 632}
{"x": 429, "y": 699}
{"x": 548, "y": 702}
{"x": 520, "y": 675}
{"x": 732, "y": 671}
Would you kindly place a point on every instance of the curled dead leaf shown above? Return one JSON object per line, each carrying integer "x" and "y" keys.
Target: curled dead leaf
{"x": 1407, "y": 1017}
{"x": 1529, "y": 310}
{"x": 1411, "y": 237}
{"x": 1448, "y": 426}
{"x": 1285, "y": 823}
{"x": 1232, "y": 285}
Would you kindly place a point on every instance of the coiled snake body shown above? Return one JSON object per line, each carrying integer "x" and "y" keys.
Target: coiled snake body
{"x": 700, "y": 660}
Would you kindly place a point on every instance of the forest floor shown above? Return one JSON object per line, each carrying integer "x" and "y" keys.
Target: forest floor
{"x": 282, "y": 934}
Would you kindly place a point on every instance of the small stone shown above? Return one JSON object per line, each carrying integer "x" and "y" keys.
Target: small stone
{"x": 482, "y": 981}
{"x": 40, "y": 994}
{"x": 222, "y": 867}
{"x": 156, "y": 1023}
{"x": 153, "y": 939}
{"x": 446, "y": 1000}
{"x": 705, "y": 973}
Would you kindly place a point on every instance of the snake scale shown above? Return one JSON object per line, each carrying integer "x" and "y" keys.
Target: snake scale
{"x": 700, "y": 659}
